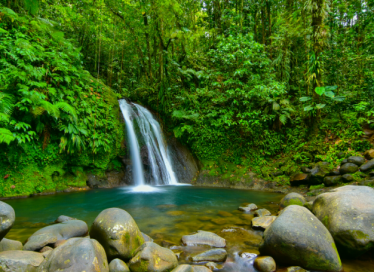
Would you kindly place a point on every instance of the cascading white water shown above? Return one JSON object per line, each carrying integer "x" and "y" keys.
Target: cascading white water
{"x": 137, "y": 171}
{"x": 161, "y": 168}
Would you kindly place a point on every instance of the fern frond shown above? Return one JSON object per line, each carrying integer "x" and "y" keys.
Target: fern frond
{"x": 6, "y": 136}
{"x": 68, "y": 109}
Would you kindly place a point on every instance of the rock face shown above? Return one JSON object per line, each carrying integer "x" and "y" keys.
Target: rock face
{"x": 332, "y": 180}
{"x": 204, "y": 238}
{"x": 20, "y": 261}
{"x": 263, "y": 222}
{"x": 7, "y": 244}
{"x": 7, "y": 217}
{"x": 367, "y": 166}
{"x": 348, "y": 213}
{"x": 152, "y": 257}
{"x": 300, "y": 179}
{"x": 117, "y": 232}
{"x": 77, "y": 254}
{"x": 292, "y": 199}
{"x": 51, "y": 234}
{"x": 109, "y": 180}
{"x": 118, "y": 265}
{"x": 265, "y": 264}
{"x": 356, "y": 160}
{"x": 212, "y": 255}
{"x": 348, "y": 168}
{"x": 297, "y": 237}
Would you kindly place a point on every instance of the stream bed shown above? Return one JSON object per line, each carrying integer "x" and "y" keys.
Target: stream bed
{"x": 165, "y": 213}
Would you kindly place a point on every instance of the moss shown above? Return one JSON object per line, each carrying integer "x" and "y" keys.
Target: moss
{"x": 359, "y": 234}
{"x": 325, "y": 221}
{"x": 295, "y": 201}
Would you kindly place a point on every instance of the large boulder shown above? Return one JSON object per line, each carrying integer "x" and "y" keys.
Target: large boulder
{"x": 152, "y": 257}
{"x": 118, "y": 265}
{"x": 348, "y": 213}
{"x": 204, "y": 238}
{"x": 367, "y": 166}
{"x": 77, "y": 254}
{"x": 20, "y": 261}
{"x": 52, "y": 234}
{"x": 118, "y": 233}
{"x": 348, "y": 168}
{"x": 7, "y": 217}
{"x": 292, "y": 199}
{"x": 7, "y": 244}
{"x": 356, "y": 160}
{"x": 297, "y": 237}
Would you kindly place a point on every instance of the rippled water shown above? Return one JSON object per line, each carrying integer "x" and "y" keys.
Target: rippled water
{"x": 165, "y": 214}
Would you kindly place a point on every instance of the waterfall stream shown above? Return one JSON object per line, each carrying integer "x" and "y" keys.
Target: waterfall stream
{"x": 152, "y": 138}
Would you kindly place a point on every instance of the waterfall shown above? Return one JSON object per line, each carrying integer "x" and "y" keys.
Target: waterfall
{"x": 161, "y": 171}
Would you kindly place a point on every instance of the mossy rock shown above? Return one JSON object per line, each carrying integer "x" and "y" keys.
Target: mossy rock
{"x": 297, "y": 237}
{"x": 292, "y": 199}
{"x": 348, "y": 213}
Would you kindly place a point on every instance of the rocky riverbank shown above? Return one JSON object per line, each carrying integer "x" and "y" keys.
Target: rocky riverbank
{"x": 302, "y": 236}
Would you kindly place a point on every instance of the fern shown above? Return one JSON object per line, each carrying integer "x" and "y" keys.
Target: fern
{"x": 6, "y": 136}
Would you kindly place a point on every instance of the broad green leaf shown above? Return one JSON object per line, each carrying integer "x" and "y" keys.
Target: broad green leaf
{"x": 320, "y": 106}
{"x": 320, "y": 90}
{"x": 305, "y": 98}
{"x": 329, "y": 94}
{"x": 308, "y": 108}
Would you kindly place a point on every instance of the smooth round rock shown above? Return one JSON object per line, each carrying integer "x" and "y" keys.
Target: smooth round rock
{"x": 263, "y": 222}
{"x": 183, "y": 268}
{"x": 7, "y": 217}
{"x": 300, "y": 179}
{"x": 367, "y": 166}
{"x": 356, "y": 160}
{"x": 262, "y": 212}
{"x": 20, "y": 261}
{"x": 52, "y": 234}
{"x": 348, "y": 168}
{"x": 248, "y": 208}
{"x": 118, "y": 233}
{"x": 64, "y": 218}
{"x": 204, "y": 238}
{"x": 7, "y": 244}
{"x": 212, "y": 255}
{"x": 348, "y": 213}
{"x": 308, "y": 205}
{"x": 297, "y": 237}
{"x": 332, "y": 180}
{"x": 118, "y": 265}
{"x": 77, "y": 254}
{"x": 347, "y": 178}
{"x": 265, "y": 264}
{"x": 151, "y": 257}
{"x": 292, "y": 199}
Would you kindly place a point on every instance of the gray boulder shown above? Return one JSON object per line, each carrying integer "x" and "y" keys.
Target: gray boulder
{"x": 356, "y": 160}
{"x": 77, "y": 254}
{"x": 332, "y": 180}
{"x": 7, "y": 244}
{"x": 20, "y": 261}
{"x": 54, "y": 233}
{"x": 204, "y": 238}
{"x": 7, "y": 217}
{"x": 348, "y": 213}
{"x": 118, "y": 233}
{"x": 297, "y": 237}
{"x": 367, "y": 166}
{"x": 292, "y": 199}
{"x": 151, "y": 257}
{"x": 265, "y": 264}
{"x": 118, "y": 265}
{"x": 212, "y": 255}
{"x": 348, "y": 168}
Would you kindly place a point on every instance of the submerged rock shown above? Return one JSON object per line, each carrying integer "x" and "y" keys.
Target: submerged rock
{"x": 204, "y": 238}
{"x": 7, "y": 244}
{"x": 152, "y": 257}
{"x": 20, "y": 261}
{"x": 212, "y": 255}
{"x": 348, "y": 168}
{"x": 77, "y": 254}
{"x": 292, "y": 199}
{"x": 117, "y": 232}
{"x": 265, "y": 264}
{"x": 7, "y": 217}
{"x": 52, "y": 234}
{"x": 348, "y": 213}
{"x": 118, "y": 265}
{"x": 262, "y": 212}
{"x": 263, "y": 222}
{"x": 297, "y": 237}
